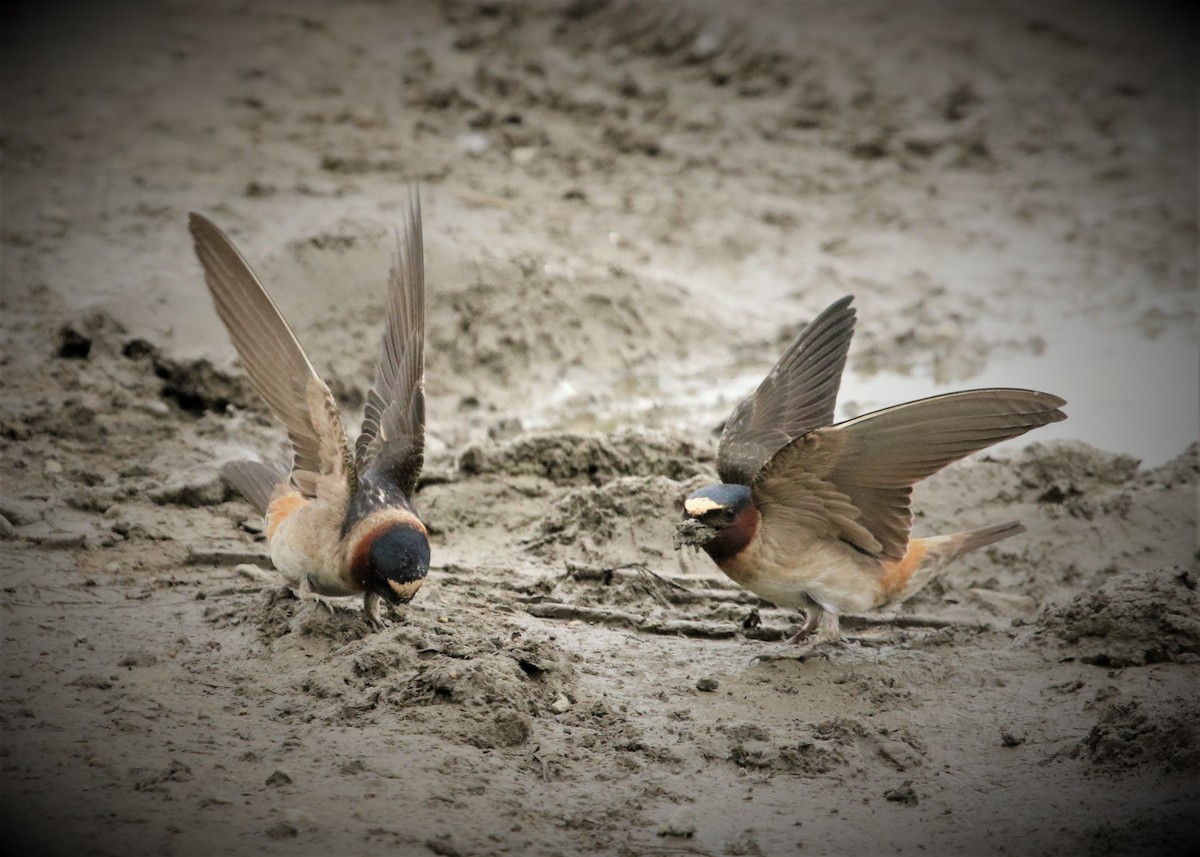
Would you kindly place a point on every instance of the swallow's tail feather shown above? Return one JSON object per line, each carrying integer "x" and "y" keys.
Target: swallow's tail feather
{"x": 926, "y": 557}
{"x": 254, "y": 480}
{"x": 961, "y": 543}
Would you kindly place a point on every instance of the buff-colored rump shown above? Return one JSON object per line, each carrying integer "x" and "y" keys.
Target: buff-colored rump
{"x": 281, "y": 507}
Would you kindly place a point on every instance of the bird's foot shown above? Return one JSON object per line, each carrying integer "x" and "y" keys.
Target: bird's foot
{"x": 803, "y": 637}
{"x": 813, "y": 648}
{"x": 819, "y": 627}
{"x": 816, "y": 636}
{"x": 304, "y": 592}
{"x": 373, "y": 608}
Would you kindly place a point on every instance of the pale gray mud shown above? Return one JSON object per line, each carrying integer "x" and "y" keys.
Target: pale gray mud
{"x": 629, "y": 210}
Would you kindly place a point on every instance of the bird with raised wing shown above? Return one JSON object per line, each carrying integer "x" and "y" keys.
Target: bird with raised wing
{"x": 338, "y": 522}
{"x": 816, "y": 515}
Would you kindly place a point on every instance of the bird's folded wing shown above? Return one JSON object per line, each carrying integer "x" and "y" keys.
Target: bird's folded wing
{"x": 874, "y": 460}
{"x": 797, "y": 396}
{"x": 393, "y": 433}
{"x": 278, "y": 367}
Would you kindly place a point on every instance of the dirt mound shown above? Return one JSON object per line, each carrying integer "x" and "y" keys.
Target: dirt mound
{"x": 631, "y": 515}
{"x": 484, "y": 683}
{"x": 567, "y": 496}
{"x": 590, "y": 459}
{"x": 1129, "y": 736}
{"x": 1135, "y": 618}
{"x": 1184, "y": 470}
{"x": 1064, "y": 469}
{"x": 821, "y": 748}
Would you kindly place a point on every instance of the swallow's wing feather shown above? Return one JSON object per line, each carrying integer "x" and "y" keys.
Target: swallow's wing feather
{"x": 393, "y": 432}
{"x": 799, "y": 506}
{"x": 873, "y": 461}
{"x": 254, "y": 480}
{"x": 797, "y": 396}
{"x": 278, "y": 367}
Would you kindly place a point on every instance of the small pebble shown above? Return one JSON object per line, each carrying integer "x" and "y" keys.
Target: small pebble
{"x": 523, "y": 155}
{"x": 155, "y": 407}
{"x": 904, "y": 795}
{"x": 472, "y": 143}
{"x": 52, "y": 467}
{"x": 282, "y": 830}
{"x": 139, "y": 659}
{"x": 681, "y": 823}
{"x": 707, "y": 685}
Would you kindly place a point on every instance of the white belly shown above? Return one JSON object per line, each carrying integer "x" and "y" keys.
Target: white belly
{"x": 303, "y": 547}
{"x": 833, "y": 575}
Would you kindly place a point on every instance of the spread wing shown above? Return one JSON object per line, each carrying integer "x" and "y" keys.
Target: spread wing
{"x": 854, "y": 480}
{"x": 797, "y": 396}
{"x": 393, "y": 432}
{"x": 278, "y": 367}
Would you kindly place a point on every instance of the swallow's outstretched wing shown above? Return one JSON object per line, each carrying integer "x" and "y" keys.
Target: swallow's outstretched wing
{"x": 277, "y": 365}
{"x": 796, "y": 397}
{"x": 392, "y": 441}
{"x": 853, "y": 481}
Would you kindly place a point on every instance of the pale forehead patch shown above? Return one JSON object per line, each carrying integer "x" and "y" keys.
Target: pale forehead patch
{"x": 405, "y": 591}
{"x": 700, "y": 505}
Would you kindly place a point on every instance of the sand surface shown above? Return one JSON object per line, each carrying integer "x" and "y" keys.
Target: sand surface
{"x": 630, "y": 209}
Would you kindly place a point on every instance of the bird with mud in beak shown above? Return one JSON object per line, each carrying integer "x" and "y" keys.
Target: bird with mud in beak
{"x": 817, "y": 516}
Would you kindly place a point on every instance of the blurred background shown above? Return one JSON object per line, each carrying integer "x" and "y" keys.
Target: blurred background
{"x": 631, "y": 208}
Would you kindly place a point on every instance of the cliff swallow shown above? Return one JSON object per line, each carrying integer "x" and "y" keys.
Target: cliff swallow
{"x": 340, "y": 522}
{"x": 817, "y": 516}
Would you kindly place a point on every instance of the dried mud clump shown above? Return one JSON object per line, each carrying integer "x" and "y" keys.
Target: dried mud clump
{"x": 196, "y": 386}
{"x": 485, "y": 690}
{"x": 751, "y": 746}
{"x": 495, "y": 694}
{"x": 1184, "y": 470}
{"x": 1062, "y": 470}
{"x": 1128, "y": 737}
{"x": 1137, "y": 617}
{"x": 821, "y": 748}
{"x": 475, "y": 685}
{"x": 635, "y": 511}
{"x": 569, "y": 458}
{"x": 92, "y": 328}
{"x": 283, "y": 613}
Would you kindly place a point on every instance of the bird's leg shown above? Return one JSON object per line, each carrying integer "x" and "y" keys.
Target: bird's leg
{"x": 304, "y": 592}
{"x": 804, "y": 642}
{"x": 811, "y": 615}
{"x": 828, "y": 628}
{"x": 372, "y": 606}
{"x": 826, "y": 623}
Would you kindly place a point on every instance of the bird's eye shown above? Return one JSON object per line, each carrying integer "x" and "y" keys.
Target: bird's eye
{"x": 729, "y": 514}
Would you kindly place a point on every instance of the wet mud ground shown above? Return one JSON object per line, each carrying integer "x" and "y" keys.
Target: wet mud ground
{"x": 629, "y": 211}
